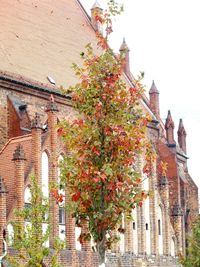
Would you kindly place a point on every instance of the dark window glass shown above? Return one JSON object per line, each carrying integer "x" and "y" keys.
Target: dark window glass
{"x": 159, "y": 227}
{"x": 61, "y": 215}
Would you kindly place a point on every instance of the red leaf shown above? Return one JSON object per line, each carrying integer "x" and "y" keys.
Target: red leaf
{"x": 76, "y": 196}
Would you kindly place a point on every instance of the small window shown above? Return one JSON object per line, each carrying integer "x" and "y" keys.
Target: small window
{"x": 27, "y": 206}
{"x": 159, "y": 227}
{"x": 147, "y": 226}
{"x": 61, "y": 215}
{"x": 134, "y": 226}
{"x": 51, "y": 80}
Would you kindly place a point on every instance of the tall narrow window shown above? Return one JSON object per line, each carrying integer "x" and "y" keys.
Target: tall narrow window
{"x": 45, "y": 175}
{"x": 122, "y": 238}
{"x": 61, "y": 215}
{"x": 62, "y": 228}
{"x": 159, "y": 227}
{"x": 45, "y": 187}
{"x": 27, "y": 200}
{"x": 10, "y": 234}
{"x": 135, "y": 231}
{"x": 160, "y": 231}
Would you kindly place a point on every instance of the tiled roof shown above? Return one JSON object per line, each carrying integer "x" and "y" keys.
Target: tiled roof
{"x": 39, "y": 38}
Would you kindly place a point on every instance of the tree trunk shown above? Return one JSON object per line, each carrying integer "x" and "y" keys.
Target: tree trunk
{"x": 101, "y": 249}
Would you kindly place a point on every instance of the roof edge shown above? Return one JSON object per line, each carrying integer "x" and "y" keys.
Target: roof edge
{"x": 23, "y": 81}
{"x": 25, "y": 137}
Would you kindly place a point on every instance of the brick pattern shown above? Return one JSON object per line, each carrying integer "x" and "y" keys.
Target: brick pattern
{"x": 53, "y": 173}
{"x": 46, "y": 140}
{"x": 153, "y": 213}
{"x": 2, "y": 218}
{"x": 19, "y": 158}
{"x": 164, "y": 192}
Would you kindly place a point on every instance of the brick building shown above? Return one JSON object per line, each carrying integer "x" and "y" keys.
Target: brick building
{"x": 39, "y": 41}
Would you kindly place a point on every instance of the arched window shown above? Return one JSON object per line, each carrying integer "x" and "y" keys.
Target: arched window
{"x": 122, "y": 238}
{"x": 45, "y": 175}
{"x": 135, "y": 231}
{"x": 27, "y": 195}
{"x": 62, "y": 227}
{"x": 160, "y": 231}
{"x": 147, "y": 225}
{"x": 173, "y": 251}
{"x": 45, "y": 187}
{"x": 77, "y": 234}
{"x": 146, "y": 183}
{"x": 10, "y": 230}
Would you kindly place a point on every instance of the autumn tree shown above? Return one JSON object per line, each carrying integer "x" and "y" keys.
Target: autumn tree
{"x": 193, "y": 251}
{"x": 104, "y": 142}
{"x": 30, "y": 240}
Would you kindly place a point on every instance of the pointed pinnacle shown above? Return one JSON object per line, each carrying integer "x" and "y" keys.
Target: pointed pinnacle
{"x": 124, "y": 46}
{"x": 153, "y": 89}
{"x": 96, "y": 5}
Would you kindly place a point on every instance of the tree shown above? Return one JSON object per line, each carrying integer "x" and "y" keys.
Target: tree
{"x": 104, "y": 142}
{"x": 29, "y": 237}
{"x": 193, "y": 251}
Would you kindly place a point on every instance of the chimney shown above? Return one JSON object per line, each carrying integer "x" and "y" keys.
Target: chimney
{"x": 169, "y": 127}
{"x": 182, "y": 136}
{"x": 124, "y": 51}
{"x": 96, "y": 11}
{"x": 154, "y": 99}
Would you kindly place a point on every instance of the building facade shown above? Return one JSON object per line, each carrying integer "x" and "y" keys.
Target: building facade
{"x": 40, "y": 40}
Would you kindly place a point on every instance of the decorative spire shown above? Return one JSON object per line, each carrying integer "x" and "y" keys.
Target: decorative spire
{"x": 169, "y": 122}
{"x": 51, "y": 105}
{"x": 124, "y": 46}
{"x": 181, "y": 128}
{"x": 36, "y": 122}
{"x": 154, "y": 99}
{"x": 96, "y": 5}
{"x": 182, "y": 136}
{"x": 96, "y": 10}
{"x": 124, "y": 50}
{"x": 169, "y": 126}
{"x": 2, "y": 186}
{"x": 153, "y": 89}
{"x": 19, "y": 153}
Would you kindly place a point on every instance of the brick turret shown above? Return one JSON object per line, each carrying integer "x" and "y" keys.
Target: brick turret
{"x": 177, "y": 215}
{"x": 36, "y": 127}
{"x": 164, "y": 192}
{"x": 19, "y": 160}
{"x": 52, "y": 110}
{"x": 125, "y": 51}
{"x": 182, "y": 136}
{"x": 154, "y": 99}
{"x": 169, "y": 126}
{"x": 96, "y": 10}
{"x": 3, "y": 192}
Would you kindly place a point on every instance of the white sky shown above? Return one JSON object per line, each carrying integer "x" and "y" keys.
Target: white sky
{"x": 164, "y": 39}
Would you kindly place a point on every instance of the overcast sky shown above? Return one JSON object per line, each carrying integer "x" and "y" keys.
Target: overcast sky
{"x": 164, "y": 39}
